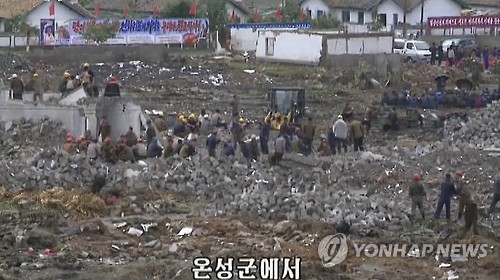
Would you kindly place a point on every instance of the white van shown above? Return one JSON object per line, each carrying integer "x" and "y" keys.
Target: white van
{"x": 412, "y": 50}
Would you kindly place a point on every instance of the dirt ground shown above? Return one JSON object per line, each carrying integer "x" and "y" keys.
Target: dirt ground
{"x": 71, "y": 234}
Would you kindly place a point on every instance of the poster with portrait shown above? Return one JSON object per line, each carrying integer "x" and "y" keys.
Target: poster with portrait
{"x": 47, "y": 32}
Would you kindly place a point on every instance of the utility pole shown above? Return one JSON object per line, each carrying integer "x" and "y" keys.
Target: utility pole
{"x": 404, "y": 18}
{"x": 422, "y": 18}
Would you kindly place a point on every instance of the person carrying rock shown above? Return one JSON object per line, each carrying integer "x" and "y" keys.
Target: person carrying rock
{"x": 471, "y": 215}
{"x": 309, "y": 130}
{"x": 205, "y": 124}
{"x": 16, "y": 87}
{"x": 216, "y": 120}
{"x": 192, "y": 124}
{"x": 112, "y": 88}
{"x": 236, "y": 131}
{"x": 160, "y": 123}
{"x": 463, "y": 192}
{"x": 70, "y": 145}
{"x": 125, "y": 153}
{"x": 108, "y": 151}
{"x": 265, "y": 131}
{"x": 447, "y": 191}
{"x": 279, "y": 150}
{"x": 253, "y": 148}
{"x": 180, "y": 127}
{"x": 154, "y": 150}
{"x": 93, "y": 150}
{"x": 347, "y": 112}
{"x": 340, "y": 131}
{"x": 150, "y": 132}
{"x": 104, "y": 128}
{"x": 130, "y": 137}
{"x": 323, "y": 149}
{"x": 169, "y": 149}
{"x": 140, "y": 150}
{"x": 356, "y": 133}
{"x": 496, "y": 196}
{"x": 212, "y": 142}
{"x": 228, "y": 149}
{"x": 82, "y": 144}
{"x": 417, "y": 194}
{"x": 189, "y": 149}
{"x": 63, "y": 85}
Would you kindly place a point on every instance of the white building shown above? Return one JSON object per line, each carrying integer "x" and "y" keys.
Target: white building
{"x": 485, "y": 7}
{"x": 241, "y": 12}
{"x": 389, "y": 12}
{"x": 34, "y": 10}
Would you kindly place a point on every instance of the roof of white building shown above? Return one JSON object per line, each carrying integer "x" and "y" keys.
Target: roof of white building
{"x": 486, "y": 3}
{"x": 12, "y": 8}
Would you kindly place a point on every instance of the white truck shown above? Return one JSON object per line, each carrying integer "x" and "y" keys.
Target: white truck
{"x": 411, "y": 50}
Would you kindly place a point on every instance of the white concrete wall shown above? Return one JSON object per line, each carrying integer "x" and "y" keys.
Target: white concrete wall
{"x": 62, "y": 14}
{"x": 237, "y": 12}
{"x": 121, "y": 121}
{"x": 434, "y": 8}
{"x": 389, "y": 8}
{"x": 366, "y": 45}
{"x": 71, "y": 117}
{"x": 290, "y": 47}
{"x": 17, "y": 41}
{"x": 314, "y": 6}
{"x": 244, "y": 39}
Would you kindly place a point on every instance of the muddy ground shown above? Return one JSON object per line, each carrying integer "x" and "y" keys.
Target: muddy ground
{"x": 71, "y": 234}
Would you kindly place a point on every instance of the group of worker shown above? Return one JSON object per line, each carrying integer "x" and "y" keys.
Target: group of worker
{"x": 467, "y": 203}
{"x": 18, "y": 88}
{"x": 87, "y": 80}
{"x": 432, "y": 100}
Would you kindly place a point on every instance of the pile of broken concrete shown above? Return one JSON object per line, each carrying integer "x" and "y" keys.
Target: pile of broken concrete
{"x": 482, "y": 130}
{"x": 366, "y": 189}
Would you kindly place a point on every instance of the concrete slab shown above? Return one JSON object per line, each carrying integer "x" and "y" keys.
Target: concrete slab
{"x": 73, "y": 97}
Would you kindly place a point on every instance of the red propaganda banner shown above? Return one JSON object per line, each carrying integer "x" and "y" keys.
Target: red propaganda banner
{"x": 463, "y": 22}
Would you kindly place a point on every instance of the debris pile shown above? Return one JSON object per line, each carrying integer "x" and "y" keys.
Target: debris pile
{"x": 11, "y": 63}
{"x": 481, "y": 131}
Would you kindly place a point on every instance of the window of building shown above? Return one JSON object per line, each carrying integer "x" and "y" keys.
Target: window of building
{"x": 270, "y": 46}
{"x": 346, "y": 16}
{"x": 320, "y": 13}
{"x": 361, "y": 17}
{"x": 395, "y": 19}
{"x": 309, "y": 12}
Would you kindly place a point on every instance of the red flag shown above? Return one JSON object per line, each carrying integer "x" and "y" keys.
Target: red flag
{"x": 233, "y": 17}
{"x": 192, "y": 9}
{"x": 155, "y": 9}
{"x": 96, "y": 10}
{"x": 125, "y": 10}
{"x": 302, "y": 14}
{"x": 52, "y": 8}
{"x": 277, "y": 14}
{"x": 256, "y": 15}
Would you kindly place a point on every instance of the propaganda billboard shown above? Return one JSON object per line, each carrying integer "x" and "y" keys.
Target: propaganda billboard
{"x": 47, "y": 32}
{"x": 463, "y": 22}
{"x": 138, "y": 31}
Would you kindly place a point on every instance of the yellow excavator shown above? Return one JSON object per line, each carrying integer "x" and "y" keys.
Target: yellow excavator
{"x": 289, "y": 102}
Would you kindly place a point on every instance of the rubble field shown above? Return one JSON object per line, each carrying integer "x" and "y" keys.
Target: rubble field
{"x": 153, "y": 217}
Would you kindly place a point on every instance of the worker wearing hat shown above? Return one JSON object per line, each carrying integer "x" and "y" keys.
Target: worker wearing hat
{"x": 66, "y": 83}
{"x": 37, "y": 88}
{"x": 16, "y": 87}
{"x": 160, "y": 122}
{"x": 180, "y": 127}
{"x": 70, "y": 145}
{"x": 112, "y": 88}
{"x": 417, "y": 194}
{"x": 192, "y": 123}
{"x": 87, "y": 77}
{"x": 340, "y": 135}
{"x": 447, "y": 191}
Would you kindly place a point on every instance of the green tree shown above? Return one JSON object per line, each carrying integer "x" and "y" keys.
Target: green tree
{"x": 218, "y": 18}
{"x": 290, "y": 13}
{"x": 325, "y": 22}
{"x": 18, "y": 25}
{"x": 177, "y": 10}
{"x": 100, "y": 32}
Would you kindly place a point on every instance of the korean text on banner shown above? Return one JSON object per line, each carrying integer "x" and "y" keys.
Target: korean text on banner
{"x": 142, "y": 31}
